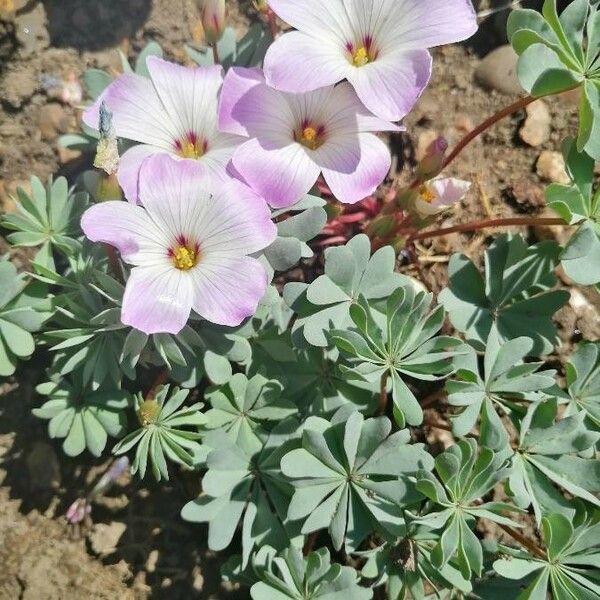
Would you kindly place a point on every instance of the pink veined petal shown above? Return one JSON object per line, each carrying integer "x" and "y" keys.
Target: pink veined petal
{"x": 348, "y": 114}
{"x": 449, "y": 190}
{"x": 228, "y": 290}
{"x": 298, "y": 62}
{"x": 219, "y": 155}
{"x": 158, "y": 299}
{"x": 137, "y": 112}
{"x": 353, "y": 167}
{"x": 281, "y": 176}
{"x": 129, "y": 169}
{"x": 390, "y": 86}
{"x": 424, "y": 23}
{"x": 250, "y": 108}
{"x": 129, "y": 229}
{"x": 189, "y": 95}
{"x": 175, "y": 193}
{"x": 236, "y": 222}
{"x": 316, "y": 16}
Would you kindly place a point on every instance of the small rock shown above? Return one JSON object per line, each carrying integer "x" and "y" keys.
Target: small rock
{"x": 527, "y": 194}
{"x": 105, "y": 537}
{"x": 8, "y": 194}
{"x": 66, "y": 155}
{"x": 498, "y": 71}
{"x": 536, "y": 129}
{"x": 31, "y": 32}
{"x": 425, "y": 139}
{"x": 54, "y": 119}
{"x": 197, "y": 579}
{"x": 551, "y": 167}
{"x": 152, "y": 561}
{"x": 43, "y": 468}
{"x": 18, "y": 87}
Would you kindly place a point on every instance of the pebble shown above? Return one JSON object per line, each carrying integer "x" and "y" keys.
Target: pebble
{"x": 537, "y": 126}
{"x": 551, "y": 167}
{"x": 498, "y": 71}
{"x": 18, "y": 87}
{"x": 105, "y": 537}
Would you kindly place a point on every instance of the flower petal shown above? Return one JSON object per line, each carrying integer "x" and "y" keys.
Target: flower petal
{"x": 129, "y": 229}
{"x": 353, "y": 167}
{"x": 228, "y": 290}
{"x": 249, "y": 107}
{"x": 157, "y": 299}
{"x": 236, "y": 222}
{"x": 316, "y": 16}
{"x": 390, "y": 86}
{"x": 449, "y": 190}
{"x": 281, "y": 176}
{"x": 138, "y": 113}
{"x": 298, "y": 62}
{"x": 129, "y": 169}
{"x": 189, "y": 95}
{"x": 421, "y": 24}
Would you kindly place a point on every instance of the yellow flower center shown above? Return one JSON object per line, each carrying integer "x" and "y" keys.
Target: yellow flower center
{"x": 426, "y": 194}
{"x": 184, "y": 258}
{"x": 310, "y": 138}
{"x": 191, "y": 147}
{"x": 148, "y": 412}
{"x": 361, "y": 57}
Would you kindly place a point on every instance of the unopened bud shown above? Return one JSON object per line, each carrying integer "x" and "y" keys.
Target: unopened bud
{"x": 148, "y": 412}
{"x": 107, "y": 151}
{"x": 433, "y": 163}
{"x": 382, "y": 226}
{"x": 213, "y": 20}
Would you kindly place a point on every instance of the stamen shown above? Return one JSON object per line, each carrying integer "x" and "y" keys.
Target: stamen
{"x": 191, "y": 147}
{"x": 361, "y": 57}
{"x": 311, "y": 137}
{"x": 426, "y": 194}
{"x": 184, "y": 257}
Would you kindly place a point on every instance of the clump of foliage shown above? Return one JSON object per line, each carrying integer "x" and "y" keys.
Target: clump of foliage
{"x": 201, "y": 327}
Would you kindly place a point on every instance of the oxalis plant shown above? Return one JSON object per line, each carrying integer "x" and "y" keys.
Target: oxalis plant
{"x": 164, "y": 295}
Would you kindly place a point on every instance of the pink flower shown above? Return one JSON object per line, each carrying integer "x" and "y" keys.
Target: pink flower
{"x": 436, "y": 196}
{"x": 189, "y": 250}
{"x": 173, "y": 113}
{"x": 379, "y": 46}
{"x": 295, "y": 137}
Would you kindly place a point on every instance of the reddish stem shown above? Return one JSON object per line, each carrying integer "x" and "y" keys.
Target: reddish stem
{"x": 486, "y": 223}
{"x": 161, "y": 379}
{"x": 383, "y": 395}
{"x": 527, "y": 543}
{"x": 506, "y": 112}
{"x": 113, "y": 262}
{"x": 272, "y": 19}
{"x": 216, "y": 57}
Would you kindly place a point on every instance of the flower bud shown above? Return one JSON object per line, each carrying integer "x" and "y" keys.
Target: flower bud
{"x": 432, "y": 164}
{"x": 213, "y": 20}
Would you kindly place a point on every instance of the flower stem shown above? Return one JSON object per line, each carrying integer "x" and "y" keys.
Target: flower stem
{"x": 113, "y": 262}
{"x": 383, "y": 395}
{"x": 215, "y": 52}
{"x": 527, "y": 543}
{"x": 485, "y": 224}
{"x": 161, "y": 379}
{"x": 272, "y": 19}
{"x": 505, "y": 112}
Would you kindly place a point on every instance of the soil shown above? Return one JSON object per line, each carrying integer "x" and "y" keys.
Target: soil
{"x": 135, "y": 545}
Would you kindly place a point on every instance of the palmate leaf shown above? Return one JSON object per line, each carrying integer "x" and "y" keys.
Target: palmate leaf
{"x": 554, "y": 57}
{"x": 49, "y": 218}
{"x": 244, "y": 407}
{"x": 514, "y": 296}
{"x": 405, "y": 346}
{"x": 246, "y": 485}
{"x": 353, "y": 479}
{"x": 296, "y": 226}
{"x": 289, "y": 575}
{"x": 350, "y": 271}
{"x": 23, "y": 310}
{"x": 554, "y": 454}
{"x": 83, "y": 417}
{"x": 406, "y": 566}
{"x": 578, "y": 204}
{"x": 583, "y": 380}
{"x": 572, "y": 565}
{"x": 168, "y": 431}
{"x": 505, "y": 378}
{"x": 466, "y": 476}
